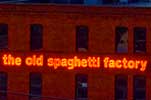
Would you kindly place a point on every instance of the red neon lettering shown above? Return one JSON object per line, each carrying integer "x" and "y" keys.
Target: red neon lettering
{"x": 56, "y": 63}
{"x": 18, "y": 61}
{"x": 90, "y": 62}
{"x": 124, "y": 63}
{"x": 34, "y": 61}
{"x": 84, "y": 63}
{"x": 143, "y": 65}
{"x": 64, "y": 62}
{"x": 118, "y": 64}
{"x": 98, "y": 62}
{"x": 130, "y": 64}
{"x": 76, "y": 61}
{"x": 71, "y": 63}
{"x": 28, "y": 61}
{"x": 111, "y": 64}
{"x": 9, "y": 60}
{"x": 50, "y": 62}
{"x": 4, "y": 59}
{"x": 137, "y": 63}
{"x": 106, "y": 60}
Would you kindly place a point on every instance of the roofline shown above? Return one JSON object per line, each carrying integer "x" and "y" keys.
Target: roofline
{"x": 77, "y": 9}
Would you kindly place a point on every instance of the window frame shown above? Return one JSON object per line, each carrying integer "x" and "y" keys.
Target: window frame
{"x": 139, "y": 76}
{"x": 38, "y": 37}
{"x": 4, "y": 93}
{"x": 3, "y": 36}
{"x": 85, "y": 46}
{"x": 77, "y": 97}
{"x": 139, "y": 41}
{"x": 117, "y": 35}
{"x": 31, "y": 96}
{"x": 120, "y": 87}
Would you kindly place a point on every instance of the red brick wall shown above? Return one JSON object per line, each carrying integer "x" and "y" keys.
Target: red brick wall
{"x": 59, "y": 24}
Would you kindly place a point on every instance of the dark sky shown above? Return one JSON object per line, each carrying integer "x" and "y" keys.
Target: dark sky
{"x": 26, "y": 1}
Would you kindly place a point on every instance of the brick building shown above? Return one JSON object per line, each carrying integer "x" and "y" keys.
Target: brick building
{"x": 103, "y": 52}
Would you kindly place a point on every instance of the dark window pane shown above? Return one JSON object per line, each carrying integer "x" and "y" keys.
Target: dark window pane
{"x": 81, "y": 38}
{"x": 81, "y": 87}
{"x": 139, "y": 88}
{"x": 3, "y": 36}
{"x": 135, "y": 1}
{"x": 35, "y": 86}
{"x": 77, "y": 1}
{"x": 140, "y": 95}
{"x": 36, "y": 36}
{"x": 61, "y": 1}
{"x": 139, "y": 39}
{"x": 121, "y": 39}
{"x": 132, "y": 1}
{"x": 3, "y": 86}
{"x": 110, "y": 1}
{"x": 36, "y": 1}
{"x": 121, "y": 87}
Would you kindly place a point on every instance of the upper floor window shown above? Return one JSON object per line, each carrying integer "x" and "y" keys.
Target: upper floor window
{"x": 123, "y": 1}
{"x": 139, "y": 88}
{"x": 139, "y": 39}
{"x": 135, "y": 1}
{"x": 121, "y": 87}
{"x": 36, "y": 37}
{"x": 35, "y": 1}
{"x": 121, "y": 39}
{"x": 59, "y": 1}
{"x": 110, "y": 1}
{"x": 81, "y": 87}
{"x": 67, "y": 1}
{"x": 77, "y": 1}
{"x": 3, "y": 86}
{"x": 81, "y": 38}
{"x": 35, "y": 86}
{"x": 3, "y": 36}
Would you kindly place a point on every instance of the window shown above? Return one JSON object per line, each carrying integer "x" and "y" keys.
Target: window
{"x": 121, "y": 87}
{"x": 139, "y": 88}
{"x": 67, "y": 1}
{"x": 110, "y": 1}
{"x": 77, "y": 1}
{"x": 123, "y": 1}
{"x": 35, "y": 86}
{"x": 3, "y": 36}
{"x": 121, "y": 39}
{"x": 3, "y": 86}
{"x": 35, "y": 1}
{"x": 82, "y": 38}
{"x": 61, "y": 1}
{"x": 36, "y": 36}
{"x": 135, "y": 1}
{"x": 139, "y": 39}
{"x": 81, "y": 87}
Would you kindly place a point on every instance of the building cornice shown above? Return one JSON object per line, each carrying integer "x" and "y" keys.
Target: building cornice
{"x": 72, "y": 9}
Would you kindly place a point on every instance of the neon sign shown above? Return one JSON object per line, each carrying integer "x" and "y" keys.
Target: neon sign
{"x": 91, "y": 62}
{"x": 74, "y": 62}
{"x": 124, "y": 63}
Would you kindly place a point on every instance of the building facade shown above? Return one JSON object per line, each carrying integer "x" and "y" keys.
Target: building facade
{"x": 139, "y": 3}
{"x": 52, "y": 52}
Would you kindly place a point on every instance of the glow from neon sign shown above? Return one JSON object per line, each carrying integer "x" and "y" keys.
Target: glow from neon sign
{"x": 91, "y": 62}
{"x": 75, "y": 62}
{"x": 124, "y": 63}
